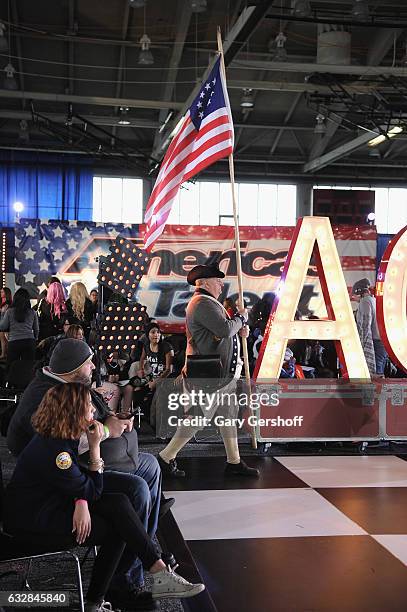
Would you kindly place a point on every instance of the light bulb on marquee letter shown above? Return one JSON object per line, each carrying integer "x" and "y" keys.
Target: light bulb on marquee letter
{"x": 391, "y": 291}
{"x": 340, "y": 327}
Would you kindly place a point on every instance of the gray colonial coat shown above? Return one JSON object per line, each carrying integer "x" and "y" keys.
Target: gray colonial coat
{"x": 211, "y": 332}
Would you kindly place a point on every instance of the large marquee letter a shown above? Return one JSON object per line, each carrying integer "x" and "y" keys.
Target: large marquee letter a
{"x": 339, "y": 326}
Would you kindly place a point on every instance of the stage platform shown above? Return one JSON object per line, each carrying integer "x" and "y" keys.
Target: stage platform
{"x": 313, "y": 533}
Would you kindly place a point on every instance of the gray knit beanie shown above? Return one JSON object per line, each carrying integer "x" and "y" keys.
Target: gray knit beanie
{"x": 69, "y": 355}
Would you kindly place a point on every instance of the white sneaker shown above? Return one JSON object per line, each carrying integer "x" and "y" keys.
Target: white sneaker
{"x": 168, "y": 584}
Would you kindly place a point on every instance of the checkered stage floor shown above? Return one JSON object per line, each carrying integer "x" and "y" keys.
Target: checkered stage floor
{"x": 314, "y": 533}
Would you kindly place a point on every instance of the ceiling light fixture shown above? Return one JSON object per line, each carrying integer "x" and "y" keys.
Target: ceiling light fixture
{"x": 198, "y": 6}
{"x": 320, "y": 125}
{"x": 247, "y": 100}
{"x": 23, "y": 134}
{"x": 145, "y": 57}
{"x": 10, "y": 82}
{"x": 281, "y": 52}
{"x": 302, "y": 8}
{"x": 360, "y": 9}
{"x": 3, "y": 38}
{"x": 123, "y": 120}
{"x": 397, "y": 129}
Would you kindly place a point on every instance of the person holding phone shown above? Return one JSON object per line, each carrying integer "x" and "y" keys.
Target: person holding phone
{"x": 67, "y": 502}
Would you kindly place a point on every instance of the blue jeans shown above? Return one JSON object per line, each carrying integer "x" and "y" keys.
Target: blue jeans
{"x": 143, "y": 488}
{"x": 380, "y": 356}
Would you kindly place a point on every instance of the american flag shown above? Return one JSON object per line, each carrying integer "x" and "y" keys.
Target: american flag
{"x": 205, "y": 135}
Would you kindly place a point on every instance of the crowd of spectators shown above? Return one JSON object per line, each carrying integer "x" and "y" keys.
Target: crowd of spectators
{"x": 130, "y": 380}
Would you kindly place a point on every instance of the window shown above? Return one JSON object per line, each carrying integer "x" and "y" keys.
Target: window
{"x": 210, "y": 203}
{"x": 117, "y": 200}
{"x": 390, "y": 207}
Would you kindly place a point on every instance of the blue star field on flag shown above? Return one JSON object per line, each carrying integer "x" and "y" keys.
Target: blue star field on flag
{"x": 209, "y": 99}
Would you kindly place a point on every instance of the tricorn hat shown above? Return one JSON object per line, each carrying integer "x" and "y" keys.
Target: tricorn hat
{"x": 202, "y": 271}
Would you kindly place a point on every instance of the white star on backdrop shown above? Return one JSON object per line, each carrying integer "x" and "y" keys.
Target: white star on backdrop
{"x": 17, "y": 264}
{"x": 72, "y": 244}
{"x": 44, "y": 221}
{"x": 214, "y": 81}
{"x": 73, "y": 224}
{"x": 44, "y": 265}
{"x": 86, "y": 233}
{"x": 202, "y": 95}
{"x": 201, "y": 115}
{"x": 42, "y": 287}
{"x": 99, "y": 224}
{"x": 58, "y": 254}
{"x": 44, "y": 243}
{"x": 207, "y": 86}
{"x": 29, "y": 277}
{"x": 30, "y": 231}
{"x": 17, "y": 241}
{"x": 58, "y": 232}
{"x": 30, "y": 254}
{"x": 209, "y": 101}
{"x": 128, "y": 225}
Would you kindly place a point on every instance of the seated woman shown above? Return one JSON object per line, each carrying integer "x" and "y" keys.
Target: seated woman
{"x": 156, "y": 363}
{"x": 65, "y": 499}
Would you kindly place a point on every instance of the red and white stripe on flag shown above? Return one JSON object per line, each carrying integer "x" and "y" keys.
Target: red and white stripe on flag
{"x": 205, "y": 135}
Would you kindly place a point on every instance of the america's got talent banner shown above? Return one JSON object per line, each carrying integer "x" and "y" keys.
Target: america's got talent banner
{"x": 70, "y": 250}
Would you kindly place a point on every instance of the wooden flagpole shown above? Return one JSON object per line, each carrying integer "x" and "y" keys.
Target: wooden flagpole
{"x": 238, "y": 255}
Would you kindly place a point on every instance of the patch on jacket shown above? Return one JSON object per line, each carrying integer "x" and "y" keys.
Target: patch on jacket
{"x": 63, "y": 461}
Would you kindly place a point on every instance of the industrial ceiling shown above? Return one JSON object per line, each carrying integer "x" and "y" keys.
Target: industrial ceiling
{"x": 311, "y": 83}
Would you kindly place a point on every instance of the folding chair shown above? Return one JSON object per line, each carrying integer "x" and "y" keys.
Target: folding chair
{"x": 13, "y": 550}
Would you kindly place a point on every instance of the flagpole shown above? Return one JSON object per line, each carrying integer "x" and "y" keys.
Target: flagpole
{"x": 238, "y": 254}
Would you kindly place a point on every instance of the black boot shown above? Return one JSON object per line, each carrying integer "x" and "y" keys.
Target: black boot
{"x": 241, "y": 469}
{"x": 170, "y": 469}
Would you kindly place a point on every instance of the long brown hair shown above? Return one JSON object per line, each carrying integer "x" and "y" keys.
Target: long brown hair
{"x": 62, "y": 412}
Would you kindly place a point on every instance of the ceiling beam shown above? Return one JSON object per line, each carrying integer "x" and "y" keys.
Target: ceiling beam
{"x": 309, "y": 68}
{"x": 298, "y": 143}
{"x": 91, "y": 100}
{"x": 377, "y": 51}
{"x": 97, "y": 120}
{"x": 248, "y": 21}
{"x": 381, "y": 45}
{"x": 294, "y": 86}
{"x": 341, "y": 151}
{"x": 158, "y": 104}
{"x": 287, "y": 118}
{"x": 183, "y": 19}
{"x": 111, "y": 120}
